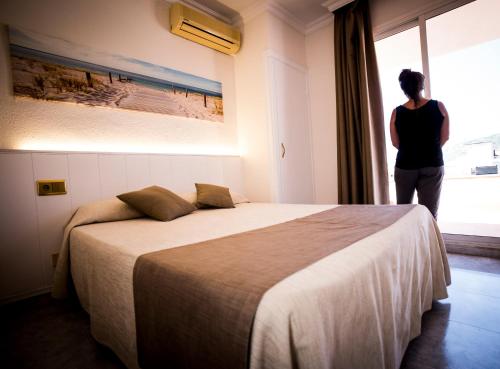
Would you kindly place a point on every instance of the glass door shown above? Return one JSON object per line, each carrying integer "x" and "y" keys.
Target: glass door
{"x": 462, "y": 59}
{"x": 393, "y": 54}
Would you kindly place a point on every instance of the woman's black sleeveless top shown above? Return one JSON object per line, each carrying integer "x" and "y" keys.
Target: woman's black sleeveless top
{"x": 419, "y": 132}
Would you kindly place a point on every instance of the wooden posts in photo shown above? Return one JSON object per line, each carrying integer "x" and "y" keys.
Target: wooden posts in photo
{"x": 110, "y": 77}
{"x": 205, "y": 100}
{"x": 89, "y": 79}
{"x": 40, "y": 83}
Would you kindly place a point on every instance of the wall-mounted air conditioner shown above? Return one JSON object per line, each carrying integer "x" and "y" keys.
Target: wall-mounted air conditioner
{"x": 205, "y": 30}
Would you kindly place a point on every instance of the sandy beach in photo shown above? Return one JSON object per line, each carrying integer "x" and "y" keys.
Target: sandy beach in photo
{"x": 43, "y": 80}
{"x": 50, "y": 68}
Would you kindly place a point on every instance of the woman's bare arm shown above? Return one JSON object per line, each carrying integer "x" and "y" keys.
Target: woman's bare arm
{"x": 445, "y": 128}
{"x": 394, "y": 132}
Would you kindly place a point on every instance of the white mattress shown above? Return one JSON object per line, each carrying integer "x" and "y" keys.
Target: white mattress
{"x": 358, "y": 307}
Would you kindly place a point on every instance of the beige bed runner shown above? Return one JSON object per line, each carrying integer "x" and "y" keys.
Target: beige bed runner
{"x": 195, "y": 304}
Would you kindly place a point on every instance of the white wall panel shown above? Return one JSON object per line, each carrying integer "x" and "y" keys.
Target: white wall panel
{"x": 233, "y": 173}
{"x": 188, "y": 170}
{"x": 182, "y": 166}
{"x": 211, "y": 170}
{"x": 161, "y": 170}
{"x": 53, "y": 211}
{"x": 138, "y": 172}
{"x": 83, "y": 179}
{"x": 20, "y": 268}
{"x": 113, "y": 175}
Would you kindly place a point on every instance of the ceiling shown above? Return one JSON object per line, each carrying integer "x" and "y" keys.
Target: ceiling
{"x": 306, "y": 11}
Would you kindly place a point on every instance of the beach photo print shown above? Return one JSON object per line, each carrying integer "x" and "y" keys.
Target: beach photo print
{"x": 54, "y": 69}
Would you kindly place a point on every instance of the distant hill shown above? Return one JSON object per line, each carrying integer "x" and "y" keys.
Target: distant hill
{"x": 493, "y": 138}
{"x": 453, "y": 152}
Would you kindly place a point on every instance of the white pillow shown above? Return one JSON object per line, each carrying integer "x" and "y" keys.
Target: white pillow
{"x": 237, "y": 197}
{"x": 109, "y": 210}
{"x": 188, "y": 196}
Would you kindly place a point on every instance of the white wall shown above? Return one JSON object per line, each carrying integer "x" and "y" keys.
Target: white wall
{"x": 320, "y": 63}
{"x": 253, "y": 129}
{"x": 263, "y": 34}
{"x": 286, "y": 41}
{"x": 133, "y": 28}
{"x": 139, "y": 29}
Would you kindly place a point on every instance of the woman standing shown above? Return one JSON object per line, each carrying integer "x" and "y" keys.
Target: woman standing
{"x": 419, "y": 128}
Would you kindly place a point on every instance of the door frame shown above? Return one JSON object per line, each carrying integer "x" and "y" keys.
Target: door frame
{"x": 270, "y": 57}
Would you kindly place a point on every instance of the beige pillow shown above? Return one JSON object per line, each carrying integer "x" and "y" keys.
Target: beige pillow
{"x": 212, "y": 196}
{"x": 158, "y": 203}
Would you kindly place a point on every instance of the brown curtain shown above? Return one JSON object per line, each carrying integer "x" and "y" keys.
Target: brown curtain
{"x": 362, "y": 165}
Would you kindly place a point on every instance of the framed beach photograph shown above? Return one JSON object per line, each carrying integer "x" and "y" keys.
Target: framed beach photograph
{"x": 50, "y": 68}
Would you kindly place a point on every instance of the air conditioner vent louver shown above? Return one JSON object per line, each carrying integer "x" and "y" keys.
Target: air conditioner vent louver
{"x": 209, "y": 36}
{"x": 203, "y": 29}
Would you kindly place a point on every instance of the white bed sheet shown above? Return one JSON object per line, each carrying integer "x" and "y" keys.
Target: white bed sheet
{"x": 358, "y": 307}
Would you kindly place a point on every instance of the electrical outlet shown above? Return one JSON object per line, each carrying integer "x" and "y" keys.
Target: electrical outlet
{"x": 48, "y": 187}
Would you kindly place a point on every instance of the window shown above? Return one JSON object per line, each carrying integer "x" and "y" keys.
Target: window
{"x": 464, "y": 60}
{"x": 463, "y": 71}
{"x": 393, "y": 54}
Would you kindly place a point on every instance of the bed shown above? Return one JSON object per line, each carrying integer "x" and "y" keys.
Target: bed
{"x": 356, "y": 308}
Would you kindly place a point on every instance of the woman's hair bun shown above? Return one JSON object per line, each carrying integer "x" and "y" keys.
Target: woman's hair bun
{"x": 411, "y": 83}
{"x": 404, "y": 74}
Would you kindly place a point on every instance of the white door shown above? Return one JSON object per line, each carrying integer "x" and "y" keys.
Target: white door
{"x": 289, "y": 102}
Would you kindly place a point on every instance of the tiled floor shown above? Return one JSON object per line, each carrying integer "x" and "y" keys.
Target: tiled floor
{"x": 462, "y": 331}
{"x": 477, "y": 263}
{"x": 43, "y": 333}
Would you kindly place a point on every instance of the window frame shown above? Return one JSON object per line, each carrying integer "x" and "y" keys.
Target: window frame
{"x": 410, "y": 21}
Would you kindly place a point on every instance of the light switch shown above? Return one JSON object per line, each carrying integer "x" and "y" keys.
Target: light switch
{"x": 48, "y": 187}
